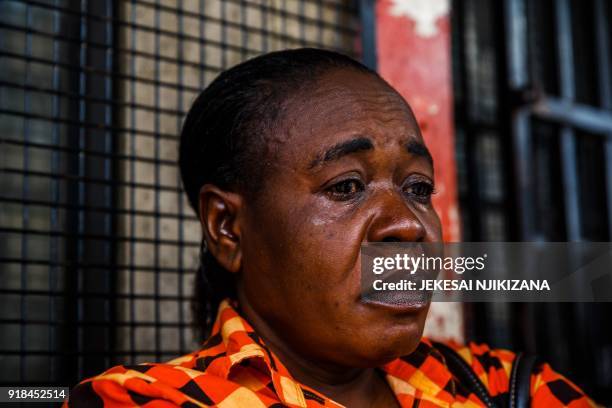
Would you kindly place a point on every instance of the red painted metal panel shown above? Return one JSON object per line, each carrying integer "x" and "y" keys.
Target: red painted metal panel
{"x": 413, "y": 45}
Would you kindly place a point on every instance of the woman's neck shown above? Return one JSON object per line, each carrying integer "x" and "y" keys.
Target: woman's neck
{"x": 348, "y": 386}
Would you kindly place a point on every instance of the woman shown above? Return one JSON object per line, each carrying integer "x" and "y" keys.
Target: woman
{"x": 292, "y": 160}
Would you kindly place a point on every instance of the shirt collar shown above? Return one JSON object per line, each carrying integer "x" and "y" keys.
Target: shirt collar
{"x": 421, "y": 373}
{"x": 243, "y": 344}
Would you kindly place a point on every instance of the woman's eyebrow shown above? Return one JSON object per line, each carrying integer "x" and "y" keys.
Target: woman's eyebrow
{"x": 342, "y": 149}
{"x": 419, "y": 149}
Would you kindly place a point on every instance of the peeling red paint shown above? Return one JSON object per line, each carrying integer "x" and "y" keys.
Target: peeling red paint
{"x": 419, "y": 67}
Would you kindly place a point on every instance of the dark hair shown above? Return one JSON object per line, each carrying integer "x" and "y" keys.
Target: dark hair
{"x": 223, "y": 141}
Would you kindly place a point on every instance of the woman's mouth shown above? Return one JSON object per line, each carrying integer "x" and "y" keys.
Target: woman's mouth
{"x": 400, "y": 300}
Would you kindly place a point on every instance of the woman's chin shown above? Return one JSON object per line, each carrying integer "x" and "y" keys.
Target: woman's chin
{"x": 390, "y": 345}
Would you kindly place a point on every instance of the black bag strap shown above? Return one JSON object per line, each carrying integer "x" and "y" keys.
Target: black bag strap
{"x": 520, "y": 380}
{"x": 520, "y": 377}
{"x": 464, "y": 373}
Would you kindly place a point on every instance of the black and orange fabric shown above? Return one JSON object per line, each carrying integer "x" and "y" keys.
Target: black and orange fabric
{"x": 235, "y": 369}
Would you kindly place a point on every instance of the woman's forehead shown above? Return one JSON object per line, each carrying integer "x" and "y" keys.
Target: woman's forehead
{"x": 341, "y": 105}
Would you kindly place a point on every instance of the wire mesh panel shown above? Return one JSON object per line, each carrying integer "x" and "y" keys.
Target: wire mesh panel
{"x": 57, "y": 226}
{"x": 97, "y": 243}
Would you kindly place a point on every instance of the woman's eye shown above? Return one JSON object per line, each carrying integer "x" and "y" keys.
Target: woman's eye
{"x": 421, "y": 191}
{"x": 345, "y": 190}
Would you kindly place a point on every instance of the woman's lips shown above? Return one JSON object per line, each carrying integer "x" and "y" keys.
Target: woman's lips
{"x": 398, "y": 300}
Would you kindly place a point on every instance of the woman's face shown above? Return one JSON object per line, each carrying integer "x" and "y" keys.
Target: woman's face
{"x": 348, "y": 166}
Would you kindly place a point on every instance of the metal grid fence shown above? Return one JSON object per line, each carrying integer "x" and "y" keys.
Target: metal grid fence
{"x": 97, "y": 243}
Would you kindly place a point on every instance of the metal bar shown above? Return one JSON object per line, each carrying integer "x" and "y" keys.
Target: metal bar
{"x": 569, "y": 169}
{"x": 57, "y": 205}
{"x": 132, "y": 198}
{"x": 76, "y": 354}
{"x": 202, "y": 32}
{"x": 319, "y": 21}
{"x": 91, "y": 99}
{"x": 111, "y": 197}
{"x": 568, "y": 143}
{"x": 25, "y": 192}
{"x": 54, "y": 271}
{"x": 264, "y": 23}
{"x": 92, "y": 180}
{"x": 284, "y": 25}
{"x": 224, "y": 42}
{"x": 88, "y": 125}
{"x": 36, "y": 292}
{"x": 157, "y": 202}
{"x": 302, "y": 22}
{"x": 85, "y": 68}
{"x": 469, "y": 132}
{"x": 516, "y": 28}
{"x": 90, "y": 323}
{"x": 605, "y": 91}
{"x": 180, "y": 197}
{"x": 56, "y": 148}
{"x": 368, "y": 33}
{"x": 570, "y": 114}
{"x": 91, "y": 236}
{"x": 81, "y": 186}
{"x": 570, "y": 184}
{"x": 46, "y": 262}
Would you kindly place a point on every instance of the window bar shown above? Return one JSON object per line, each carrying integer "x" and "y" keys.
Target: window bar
{"x": 25, "y": 211}
{"x": 569, "y": 170}
{"x": 568, "y": 141}
{"x": 320, "y": 21}
{"x": 100, "y": 209}
{"x": 338, "y": 17}
{"x": 109, "y": 173}
{"x": 132, "y": 204}
{"x": 465, "y": 10}
{"x": 180, "y": 196}
{"x": 302, "y": 8}
{"x": 81, "y": 184}
{"x": 55, "y": 200}
{"x": 264, "y": 23}
{"x": 157, "y": 248}
{"x": 581, "y": 116}
{"x": 368, "y": 33}
{"x": 202, "y": 65}
{"x": 516, "y": 26}
{"x": 605, "y": 91}
{"x": 244, "y": 31}
{"x": 224, "y": 44}
{"x": 283, "y": 19}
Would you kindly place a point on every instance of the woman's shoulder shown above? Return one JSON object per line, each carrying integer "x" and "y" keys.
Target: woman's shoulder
{"x": 493, "y": 366}
{"x": 177, "y": 383}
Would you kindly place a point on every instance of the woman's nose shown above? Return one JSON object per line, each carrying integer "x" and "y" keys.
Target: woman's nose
{"x": 395, "y": 221}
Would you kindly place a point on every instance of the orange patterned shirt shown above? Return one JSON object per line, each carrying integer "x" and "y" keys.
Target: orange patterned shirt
{"x": 235, "y": 369}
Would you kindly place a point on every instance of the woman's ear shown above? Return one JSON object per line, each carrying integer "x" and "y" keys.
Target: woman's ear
{"x": 219, "y": 216}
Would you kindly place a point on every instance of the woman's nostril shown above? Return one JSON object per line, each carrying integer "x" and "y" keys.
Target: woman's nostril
{"x": 391, "y": 239}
